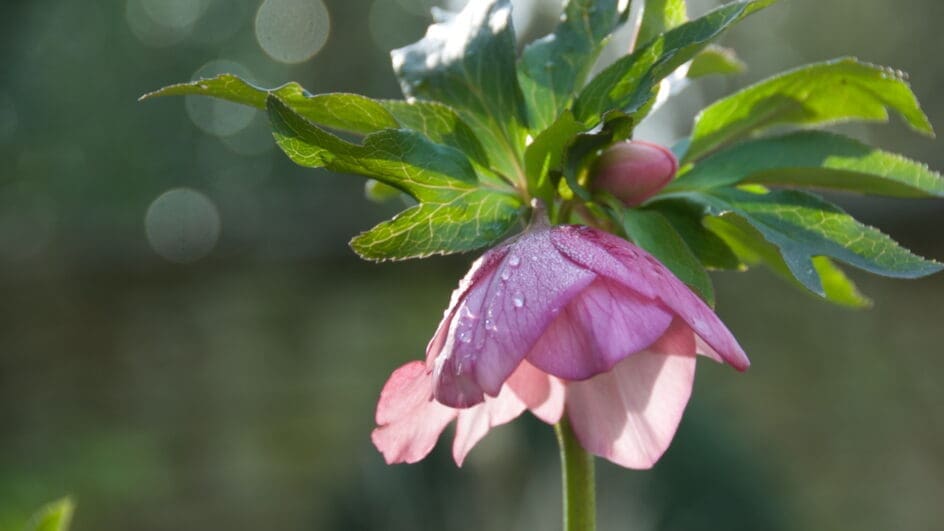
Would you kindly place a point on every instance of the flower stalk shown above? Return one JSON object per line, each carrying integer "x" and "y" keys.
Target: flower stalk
{"x": 577, "y": 478}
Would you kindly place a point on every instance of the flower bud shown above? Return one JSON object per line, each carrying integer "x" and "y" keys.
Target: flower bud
{"x": 634, "y": 171}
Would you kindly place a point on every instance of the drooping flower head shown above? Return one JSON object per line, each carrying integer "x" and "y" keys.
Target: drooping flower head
{"x": 565, "y": 318}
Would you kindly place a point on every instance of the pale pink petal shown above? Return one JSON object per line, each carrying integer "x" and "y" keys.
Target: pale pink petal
{"x": 501, "y": 317}
{"x": 601, "y": 326}
{"x": 615, "y": 258}
{"x": 475, "y": 422}
{"x": 542, "y": 393}
{"x": 409, "y": 421}
{"x": 630, "y": 414}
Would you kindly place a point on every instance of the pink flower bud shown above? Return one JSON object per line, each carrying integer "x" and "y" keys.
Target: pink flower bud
{"x": 559, "y": 319}
{"x": 634, "y": 171}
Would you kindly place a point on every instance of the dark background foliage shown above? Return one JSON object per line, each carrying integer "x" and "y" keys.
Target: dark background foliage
{"x": 236, "y": 390}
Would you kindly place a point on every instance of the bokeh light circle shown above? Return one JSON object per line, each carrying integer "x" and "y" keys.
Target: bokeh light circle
{"x": 292, "y": 31}
{"x": 218, "y": 117}
{"x": 182, "y": 225}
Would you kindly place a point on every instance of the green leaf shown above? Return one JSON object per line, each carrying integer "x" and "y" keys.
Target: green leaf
{"x": 813, "y": 159}
{"x": 403, "y": 159}
{"x": 547, "y": 152}
{"x": 345, "y": 112}
{"x": 56, "y": 516}
{"x": 686, "y": 218}
{"x": 552, "y": 68}
{"x": 803, "y": 226}
{"x": 835, "y": 91}
{"x": 439, "y": 123}
{"x": 753, "y": 249}
{"x": 468, "y": 63}
{"x": 659, "y": 16}
{"x": 468, "y": 221}
{"x": 629, "y": 83}
{"x": 715, "y": 60}
{"x": 653, "y": 232}
{"x": 455, "y": 214}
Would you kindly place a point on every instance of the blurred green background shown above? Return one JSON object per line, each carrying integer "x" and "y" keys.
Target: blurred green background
{"x": 187, "y": 343}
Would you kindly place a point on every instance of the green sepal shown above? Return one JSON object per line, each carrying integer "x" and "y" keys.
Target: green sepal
{"x": 56, "y": 516}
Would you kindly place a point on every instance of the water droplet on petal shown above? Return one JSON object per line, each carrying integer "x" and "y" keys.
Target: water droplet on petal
{"x": 518, "y": 300}
{"x": 514, "y": 260}
{"x": 505, "y": 274}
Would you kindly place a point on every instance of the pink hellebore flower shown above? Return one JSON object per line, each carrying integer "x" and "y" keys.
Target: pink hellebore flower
{"x": 565, "y": 319}
{"x": 634, "y": 171}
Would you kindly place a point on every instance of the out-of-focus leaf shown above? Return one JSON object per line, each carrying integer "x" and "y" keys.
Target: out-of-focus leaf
{"x": 753, "y": 249}
{"x": 468, "y": 63}
{"x": 455, "y": 214}
{"x": 653, "y": 232}
{"x": 813, "y": 159}
{"x": 345, "y": 112}
{"x": 835, "y": 91}
{"x": 56, "y": 516}
{"x": 659, "y": 16}
{"x": 552, "y": 68}
{"x": 629, "y": 84}
{"x": 715, "y": 60}
{"x": 804, "y": 226}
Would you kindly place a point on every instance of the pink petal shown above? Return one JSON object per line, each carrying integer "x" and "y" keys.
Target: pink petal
{"x": 619, "y": 260}
{"x": 475, "y": 422}
{"x": 481, "y": 269}
{"x": 629, "y": 415}
{"x": 409, "y": 421}
{"x": 600, "y": 327}
{"x": 543, "y": 394}
{"x": 502, "y": 315}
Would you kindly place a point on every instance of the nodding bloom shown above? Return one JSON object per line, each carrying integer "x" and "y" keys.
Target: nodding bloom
{"x": 634, "y": 171}
{"x": 559, "y": 320}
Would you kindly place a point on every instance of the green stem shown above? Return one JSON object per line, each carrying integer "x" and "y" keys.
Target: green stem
{"x": 577, "y": 479}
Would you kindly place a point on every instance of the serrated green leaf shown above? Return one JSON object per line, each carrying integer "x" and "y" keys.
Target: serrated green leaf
{"x": 629, "y": 83}
{"x": 469, "y": 221}
{"x": 468, "y": 63}
{"x": 552, "y": 68}
{"x": 754, "y": 250}
{"x": 659, "y": 16}
{"x": 403, "y": 159}
{"x": 686, "y": 217}
{"x": 439, "y": 123}
{"x": 547, "y": 152}
{"x": 56, "y": 516}
{"x": 813, "y": 159}
{"x": 715, "y": 60}
{"x": 653, "y": 232}
{"x": 804, "y": 226}
{"x": 345, "y": 112}
{"x": 835, "y": 91}
{"x": 455, "y": 214}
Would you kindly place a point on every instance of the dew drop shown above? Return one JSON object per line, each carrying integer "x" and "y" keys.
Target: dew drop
{"x": 514, "y": 260}
{"x": 505, "y": 275}
{"x": 518, "y": 300}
